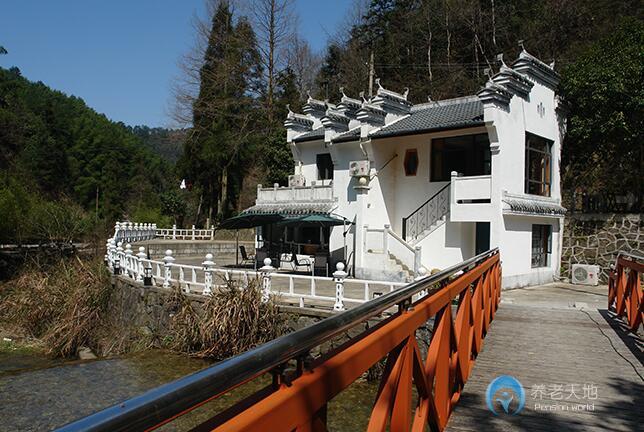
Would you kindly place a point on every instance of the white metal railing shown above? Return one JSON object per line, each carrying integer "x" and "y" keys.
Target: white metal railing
{"x": 193, "y": 233}
{"x": 387, "y": 241}
{"x": 333, "y": 292}
{"x": 130, "y": 232}
{"x": 314, "y": 192}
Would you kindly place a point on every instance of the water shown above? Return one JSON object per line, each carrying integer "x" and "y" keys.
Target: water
{"x": 38, "y": 394}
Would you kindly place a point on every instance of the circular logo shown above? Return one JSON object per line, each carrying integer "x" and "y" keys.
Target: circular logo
{"x": 507, "y": 392}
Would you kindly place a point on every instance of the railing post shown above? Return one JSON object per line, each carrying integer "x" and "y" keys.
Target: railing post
{"x": 111, "y": 253}
{"x": 174, "y": 232}
{"x": 208, "y": 265}
{"x": 385, "y": 240}
{"x": 193, "y": 232}
{"x": 117, "y": 228}
{"x": 417, "y": 259}
{"x": 266, "y": 279}
{"x": 167, "y": 264}
{"x": 338, "y": 277}
{"x": 275, "y": 187}
{"x": 117, "y": 261}
{"x": 422, "y": 274}
{"x": 130, "y": 231}
{"x": 140, "y": 257}
{"x": 127, "y": 263}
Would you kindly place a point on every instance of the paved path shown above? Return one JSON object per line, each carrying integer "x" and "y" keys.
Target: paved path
{"x": 561, "y": 337}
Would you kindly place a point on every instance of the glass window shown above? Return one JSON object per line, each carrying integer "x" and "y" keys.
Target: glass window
{"x": 411, "y": 162}
{"x": 325, "y": 166}
{"x": 541, "y": 245}
{"x": 538, "y": 165}
{"x": 468, "y": 155}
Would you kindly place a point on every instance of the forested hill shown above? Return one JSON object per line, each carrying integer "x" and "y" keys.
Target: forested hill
{"x": 167, "y": 143}
{"x": 63, "y": 166}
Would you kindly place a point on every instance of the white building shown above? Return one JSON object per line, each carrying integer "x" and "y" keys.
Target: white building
{"x": 429, "y": 184}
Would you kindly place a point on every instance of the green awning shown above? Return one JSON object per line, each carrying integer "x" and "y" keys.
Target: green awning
{"x": 323, "y": 220}
{"x": 250, "y": 220}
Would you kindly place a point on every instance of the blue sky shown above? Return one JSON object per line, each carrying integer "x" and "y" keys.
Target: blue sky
{"x": 120, "y": 56}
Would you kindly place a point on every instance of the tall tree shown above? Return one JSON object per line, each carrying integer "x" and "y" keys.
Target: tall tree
{"x": 224, "y": 113}
{"x": 274, "y": 22}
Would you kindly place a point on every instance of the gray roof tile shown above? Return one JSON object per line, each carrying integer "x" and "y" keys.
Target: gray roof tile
{"x": 311, "y": 135}
{"x": 450, "y": 114}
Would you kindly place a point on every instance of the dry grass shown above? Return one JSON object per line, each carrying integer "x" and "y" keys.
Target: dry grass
{"x": 70, "y": 304}
{"x": 232, "y": 321}
{"x": 61, "y": 304}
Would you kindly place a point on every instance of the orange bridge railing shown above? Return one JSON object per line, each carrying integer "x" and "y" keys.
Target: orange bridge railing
{"x": 459, "y": 303}
{"x": 625, "y": 289}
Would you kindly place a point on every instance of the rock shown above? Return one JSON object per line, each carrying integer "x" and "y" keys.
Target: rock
{"x": 84, "y": 353}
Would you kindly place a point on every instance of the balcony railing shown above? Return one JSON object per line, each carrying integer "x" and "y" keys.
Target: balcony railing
{"x": 471, "y": 189}
{"x": 314, "y": 192}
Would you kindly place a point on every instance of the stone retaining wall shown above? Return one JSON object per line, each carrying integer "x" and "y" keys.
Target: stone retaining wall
{"x": 598, "y": 238}
{"x": 147, "y": 309}
{"x": 198, "y": 248}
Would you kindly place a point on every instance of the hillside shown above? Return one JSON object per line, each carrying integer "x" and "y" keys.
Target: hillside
{"x": 63, "y": 164}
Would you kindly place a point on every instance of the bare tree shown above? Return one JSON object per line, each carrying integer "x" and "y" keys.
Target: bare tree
{"x": 304, "y": 63}
{"x": 275, "y": 23}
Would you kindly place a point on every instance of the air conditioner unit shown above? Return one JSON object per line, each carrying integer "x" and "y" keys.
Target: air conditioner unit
{"x": 359, "y": 168}
{"x": 296, "y": 180}
{"x": 584, "y": 274}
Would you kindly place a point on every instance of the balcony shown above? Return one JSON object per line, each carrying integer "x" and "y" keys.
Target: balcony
{"x": 470, "y": 198}
{"x": 296, "y": 194}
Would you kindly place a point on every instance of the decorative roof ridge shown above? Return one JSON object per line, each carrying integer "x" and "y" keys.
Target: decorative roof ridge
{"x": 444, "y": 102}
{"x": 348, "y": 100}
{"x": 527, "y": 63}
{"x": 296, "y": 120}
{"x": 493, "y": 92}
{"x": 390, "y": 94}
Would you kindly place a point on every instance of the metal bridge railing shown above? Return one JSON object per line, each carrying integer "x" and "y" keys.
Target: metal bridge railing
{"x": 297, "y": 398}
{"x": 625, "y": 295}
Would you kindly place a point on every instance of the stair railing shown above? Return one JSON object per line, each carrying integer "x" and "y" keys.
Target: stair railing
{"x": 427, "y": 214}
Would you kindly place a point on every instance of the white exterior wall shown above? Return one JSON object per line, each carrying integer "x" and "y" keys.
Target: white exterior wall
{"x": 507, "y": 131}
{"x": 448, "y": 244}
{"x": 515, "y": 249}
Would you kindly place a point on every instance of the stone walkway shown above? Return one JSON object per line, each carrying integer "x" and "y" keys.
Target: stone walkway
{"x": 581, "y": 371}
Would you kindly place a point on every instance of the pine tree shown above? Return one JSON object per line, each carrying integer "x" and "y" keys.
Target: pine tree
{"x": 224, "y": 114}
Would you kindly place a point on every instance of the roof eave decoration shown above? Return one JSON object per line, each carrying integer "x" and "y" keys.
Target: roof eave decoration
{"x": 536, "y": 69}
{"x": 391, "y": 101}
{"x": 297, "y": 121}
{"x": 512, "y": 80}
{"x": 336, "y": 120}
{"x": 348, "y": 105}
{"x": 494, "y": 93}
{"x": 291, "y": 208}
{"x": 531, "y": 205}
{"x": 315, "y": 107}
{"x": 370, "y": 113}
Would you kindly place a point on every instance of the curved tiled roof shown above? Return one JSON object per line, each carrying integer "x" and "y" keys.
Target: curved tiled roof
{"x": 451, "y": 114}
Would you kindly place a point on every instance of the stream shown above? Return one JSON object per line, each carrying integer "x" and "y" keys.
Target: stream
{"x": 38, "y": 393}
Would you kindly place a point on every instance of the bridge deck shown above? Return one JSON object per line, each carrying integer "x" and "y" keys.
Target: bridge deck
{"x": 557, "y": 335}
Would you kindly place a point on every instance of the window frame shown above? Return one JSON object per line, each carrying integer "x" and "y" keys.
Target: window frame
{"x": 408, "y": 153}
{"x": 478, "y": 148}
{"x": 542, "y": 257}
{"x": 328, "y": 169}
{"x": 531, "y": 150}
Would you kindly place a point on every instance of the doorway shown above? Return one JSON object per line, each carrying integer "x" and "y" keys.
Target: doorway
{"x": 482, "y": 237}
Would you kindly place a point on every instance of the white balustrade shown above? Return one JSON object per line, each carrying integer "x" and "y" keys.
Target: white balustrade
{"x": 168, "y": 259}
{"x": 266, "y": 271}
{"x": 338, "y": 277}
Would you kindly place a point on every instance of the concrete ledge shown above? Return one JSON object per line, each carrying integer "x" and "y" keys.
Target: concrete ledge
{"x": 194, "y": 247}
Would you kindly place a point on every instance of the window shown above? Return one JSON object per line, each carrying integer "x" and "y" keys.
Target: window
{"x": 325, "y": 166}
{"x": 411, "y": 162}
{"x": 538, "y": 165}
{"x": 468, "y": 155}
{"x": 541, "y": 245}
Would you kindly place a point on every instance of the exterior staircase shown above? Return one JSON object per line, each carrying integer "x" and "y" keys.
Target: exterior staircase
{"x": 426, "y": 218}
{"x": 388, "y": 267}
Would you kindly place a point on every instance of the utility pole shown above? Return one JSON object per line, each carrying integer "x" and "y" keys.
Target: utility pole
{"x": 371, "y": 74}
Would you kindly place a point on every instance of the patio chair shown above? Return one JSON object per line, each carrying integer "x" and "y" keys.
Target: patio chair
{"x": 304, "y": 262}
{"x": 321, "y": 264}
{"x": 246, "y": 259}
